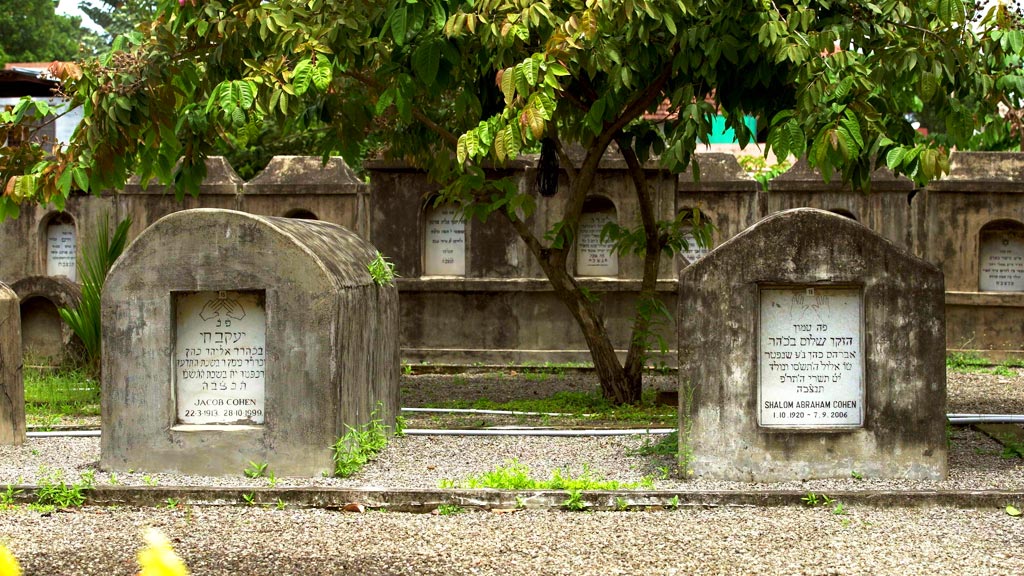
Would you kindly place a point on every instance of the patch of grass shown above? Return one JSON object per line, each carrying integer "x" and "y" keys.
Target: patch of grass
{"x": 576, "y": 404}
{"x": 53, "y": 394}
{"x": 515, "y": 475}
{"x": 966, "y": 362}
{"x": 973, "y": 363}
{"x": 1012, "y": 448}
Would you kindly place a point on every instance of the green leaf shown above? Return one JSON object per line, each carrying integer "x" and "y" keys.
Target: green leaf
{"x": 508, "y": 85}
{"x": 894, "y": 158}
{"x": 302, "y": 76}
{"x": 1013, "y": 511}
{"x": 321, "y": 74}
{"x": 81, "y": 178}
{"x": 425, "y": 62}
{"x": 557, "y": 69}
{"x": 399, "y": 21}
{"x": 852, "y": 126}
{"x": 385, "y": 100}
{"x": 64, "y": 182}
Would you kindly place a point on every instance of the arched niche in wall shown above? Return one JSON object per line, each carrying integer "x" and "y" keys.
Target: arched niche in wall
{"x": 844, "y": 213}
{"x": 41, "y": 337}
{"x": 594, "y": 256}
{"x": 301, "y": 214}
{"x": 43, "y": 334}
{"x": 693, "y": 251}
{"x": 1001, "y": 257}
{"x": 444, "y": 240}
{"x": 60, "y": 241}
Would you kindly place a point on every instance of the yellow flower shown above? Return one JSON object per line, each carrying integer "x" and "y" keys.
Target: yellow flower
{"x": 158, "y": 558}
{"x": 8, "y": 563}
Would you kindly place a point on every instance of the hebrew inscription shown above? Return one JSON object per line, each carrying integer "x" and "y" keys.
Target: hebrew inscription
{"x": 445, "y": 253}
{"x": 1002, "y": 262}
{"x": 594, "y": 256}
{"x": 220, "y": 358}
{"x": 810, "y": 358}
{"x": 60, "y": 251}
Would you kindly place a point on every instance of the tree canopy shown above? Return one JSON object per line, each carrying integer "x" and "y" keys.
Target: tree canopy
{"x": 118, "y": 17}
{"x": 32, "y": 31}
{"x": 453, "y": 84}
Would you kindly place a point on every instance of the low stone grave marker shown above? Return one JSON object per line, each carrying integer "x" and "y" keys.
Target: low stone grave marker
{"x": 230, "y": 338}
{"x": 811, "y": 347}
{"x": 12, "y": 387}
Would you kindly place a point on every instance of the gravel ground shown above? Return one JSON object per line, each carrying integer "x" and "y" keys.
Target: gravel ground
{"x": 232, "y": 541}
{"x": 734, "y": 540}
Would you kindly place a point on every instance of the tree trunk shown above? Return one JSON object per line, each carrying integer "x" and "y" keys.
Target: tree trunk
{"x": 616, "y": 385}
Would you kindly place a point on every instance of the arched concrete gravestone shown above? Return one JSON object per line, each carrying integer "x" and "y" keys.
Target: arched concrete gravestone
{"x": 230, "y": 338}
{"x": 12, "y": 388}
{"x": 813, "y": 348}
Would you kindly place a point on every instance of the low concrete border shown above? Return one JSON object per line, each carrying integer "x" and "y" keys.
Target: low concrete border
{"x": 424, "y": 500}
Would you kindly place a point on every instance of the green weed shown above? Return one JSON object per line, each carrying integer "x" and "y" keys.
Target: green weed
{"x": 667, "y": 445}
{"x": 1012, "y": 448}
{"x": 575, "y": 501}
{"x": 54, "y": 492}
{"x": 359, "y": 446}
{"x": 8, "y": 497}
{"x": 449, "y": 509}
{"x": 255, "y": 469}
{"x": 382, "y": 270}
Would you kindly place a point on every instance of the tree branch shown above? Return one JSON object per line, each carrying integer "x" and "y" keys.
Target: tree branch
{"x": 446, "y": 135}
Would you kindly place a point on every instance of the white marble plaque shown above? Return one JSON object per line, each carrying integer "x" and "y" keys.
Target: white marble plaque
{"x": 595, "y": 257}
{"x": 810, "y": 358}
{"x": 220, "y": 358}
{"x": 1001, "y": 262}
{"x": 61, "y": 251}
{"x": 445, "y": 253}
{"x": 693, "y": 250}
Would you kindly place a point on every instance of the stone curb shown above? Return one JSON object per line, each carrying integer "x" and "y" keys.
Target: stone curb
{"x": 428, "y": 500}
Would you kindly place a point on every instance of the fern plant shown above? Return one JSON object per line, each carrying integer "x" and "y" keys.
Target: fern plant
{"x": 98, "y": 256}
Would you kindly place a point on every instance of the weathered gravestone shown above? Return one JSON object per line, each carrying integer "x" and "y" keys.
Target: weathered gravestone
{"x": 230, "y": 338}
{"x": 12, "y": 388}
{"x": 813, "y": 348}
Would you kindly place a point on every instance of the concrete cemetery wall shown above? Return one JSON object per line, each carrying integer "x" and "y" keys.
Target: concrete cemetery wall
{"x": 490, "y": 302}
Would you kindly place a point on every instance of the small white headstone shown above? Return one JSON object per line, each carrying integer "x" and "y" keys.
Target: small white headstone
{"x": 693, "y": 250}
{"x": 445, "y": 253}
{"x": 61, "y": 251}
{"x": 1001, "y": 262}
{"x": 220, "y": 358}
{"x": 810, "y": 358}
{"x": 595, "y": 257}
